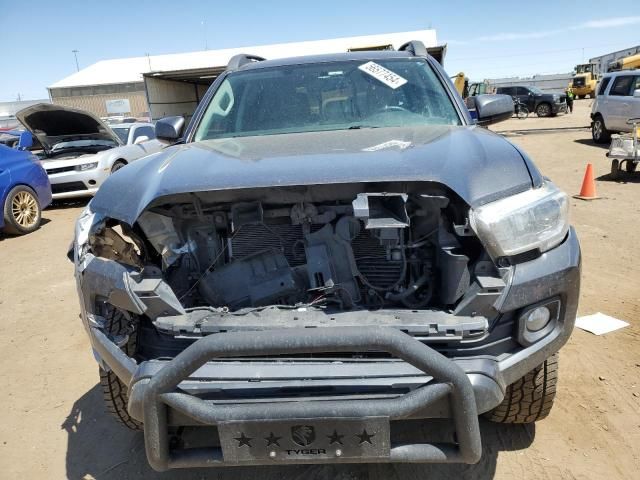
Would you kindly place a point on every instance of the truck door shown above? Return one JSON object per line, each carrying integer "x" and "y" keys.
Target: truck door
{"x": 522, "y": 93}
{"x": 619, "y": 102}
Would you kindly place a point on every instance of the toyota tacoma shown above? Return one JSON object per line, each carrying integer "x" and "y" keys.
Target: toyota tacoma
{"x": 331, "y": 245}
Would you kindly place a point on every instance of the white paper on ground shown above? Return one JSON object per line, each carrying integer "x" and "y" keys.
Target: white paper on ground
{"x": 599, "y": 323}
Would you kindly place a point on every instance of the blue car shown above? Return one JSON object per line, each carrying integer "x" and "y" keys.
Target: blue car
{"x": 24, "y": 188}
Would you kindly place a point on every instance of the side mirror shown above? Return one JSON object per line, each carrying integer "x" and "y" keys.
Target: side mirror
{"x": 636, "y": 93}
{"x": 25, "y": 141}
{"x": 169, "y": 128}
{"x": 140, "y": 139}
{"x": 493, "y": 108}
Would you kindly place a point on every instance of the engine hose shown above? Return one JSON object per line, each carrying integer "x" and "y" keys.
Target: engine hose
{"x": 413, "y": 288}
{"x": 422, "y": 302}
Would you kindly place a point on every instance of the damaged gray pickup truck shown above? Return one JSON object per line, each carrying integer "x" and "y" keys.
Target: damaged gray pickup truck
{"x": 331, "y": 246}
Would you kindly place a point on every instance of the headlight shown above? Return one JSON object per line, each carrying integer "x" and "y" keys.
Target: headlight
{"x": 83, "y": 225}
{"x": 535, "y": 219}
{"x": 86, "y": 166}
{"x": 86, "y": 223}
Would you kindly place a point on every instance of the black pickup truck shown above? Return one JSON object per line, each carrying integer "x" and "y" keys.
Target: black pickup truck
{"x": 331, "y": 246}
{"x": 544, "y": 104}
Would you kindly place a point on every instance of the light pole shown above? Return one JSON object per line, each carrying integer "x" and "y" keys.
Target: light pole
{"x": 204, "y": 34}
{"x": 75, "y": 54}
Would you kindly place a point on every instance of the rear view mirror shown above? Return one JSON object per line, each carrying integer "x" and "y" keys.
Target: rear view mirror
{"x": 493, "y": 108}
{"x": 140, "y": 139}
{"x": 169, "y": 128}
{"x": 25, "y": 141}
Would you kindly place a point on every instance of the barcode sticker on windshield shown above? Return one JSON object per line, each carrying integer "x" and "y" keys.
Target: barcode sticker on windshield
{"x": 387, "y": 77}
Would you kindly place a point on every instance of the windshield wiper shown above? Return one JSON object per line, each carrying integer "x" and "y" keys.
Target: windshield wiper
{"x": 358, "y": 127}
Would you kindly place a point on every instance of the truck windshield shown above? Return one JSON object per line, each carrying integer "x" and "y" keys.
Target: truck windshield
{"x": 327, "y": 96}
{"x": 584, "y": 68}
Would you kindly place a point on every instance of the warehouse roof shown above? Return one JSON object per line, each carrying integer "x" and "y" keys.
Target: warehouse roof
{"x": 127, "y": 70}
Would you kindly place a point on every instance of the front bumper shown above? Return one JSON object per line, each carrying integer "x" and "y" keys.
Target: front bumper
{"x": 159, "y": 394}
{"x": 559, "y": 107}
{"x": 421, "y": 382}
{"x": 73, "y": 184}
{"x": 583, "y": 90}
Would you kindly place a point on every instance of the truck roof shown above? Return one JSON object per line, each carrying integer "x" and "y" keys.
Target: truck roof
{"x": 328, "y": 58}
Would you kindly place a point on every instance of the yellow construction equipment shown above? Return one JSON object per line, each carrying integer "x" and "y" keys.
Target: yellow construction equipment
{"x": 627, "y": 63}
{"x": 585, "y": 80}
{"x": 461, "y": 82}
{"x": 466, "y": 89}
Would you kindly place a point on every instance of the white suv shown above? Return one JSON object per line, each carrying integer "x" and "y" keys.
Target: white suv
{"x": 617, "y": 100}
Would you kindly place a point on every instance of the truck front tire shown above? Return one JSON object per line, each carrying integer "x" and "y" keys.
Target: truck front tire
{"x": 544, "y": 110}
{"x": 114, "y": 391}
{"x": 530, "y": 398}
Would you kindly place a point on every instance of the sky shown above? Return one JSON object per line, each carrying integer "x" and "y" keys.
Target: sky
{"x": 486, "y": 39}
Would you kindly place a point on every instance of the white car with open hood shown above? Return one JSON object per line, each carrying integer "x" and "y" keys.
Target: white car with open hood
{"x": 79, "y": 151}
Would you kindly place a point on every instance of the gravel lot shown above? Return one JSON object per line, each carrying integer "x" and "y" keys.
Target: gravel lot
{"x": 55, "y": 425}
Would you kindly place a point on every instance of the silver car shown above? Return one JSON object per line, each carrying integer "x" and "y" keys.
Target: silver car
{"x": 79, "y": 151}
{"x": 617, "y": 101}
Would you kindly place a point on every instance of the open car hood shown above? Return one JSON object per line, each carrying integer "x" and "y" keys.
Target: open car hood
{"x": 52, "y": 124}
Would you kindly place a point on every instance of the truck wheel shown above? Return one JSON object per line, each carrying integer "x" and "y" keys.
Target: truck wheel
{"x": 21, "y": 210}
{"x": 529, "y": 399}
{"x": 114, "y": 391}
{"x": 599, "y": 132}
{"x": 543, "y": 110}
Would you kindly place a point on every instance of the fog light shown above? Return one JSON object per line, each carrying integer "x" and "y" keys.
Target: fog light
{"x": 537, "y": 319}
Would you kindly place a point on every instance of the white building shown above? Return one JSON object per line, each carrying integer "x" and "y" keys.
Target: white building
{"x": 163, "y": 85}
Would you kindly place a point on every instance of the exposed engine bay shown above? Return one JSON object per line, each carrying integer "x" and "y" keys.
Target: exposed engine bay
{"x": 369, "y": 250}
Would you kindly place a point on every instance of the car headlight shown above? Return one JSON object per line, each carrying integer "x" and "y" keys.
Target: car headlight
{"x": 537, "y": 219}
{"x": 86, "y": 166}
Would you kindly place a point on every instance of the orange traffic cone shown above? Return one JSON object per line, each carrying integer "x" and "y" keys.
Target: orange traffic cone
{"x": 588, "y": 190}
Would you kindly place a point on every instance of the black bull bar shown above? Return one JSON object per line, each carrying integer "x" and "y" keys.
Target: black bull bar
{"x": 161, "y": 392}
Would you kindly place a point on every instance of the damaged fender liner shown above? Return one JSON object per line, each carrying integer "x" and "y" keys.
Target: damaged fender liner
{"x": 123, "y": 287}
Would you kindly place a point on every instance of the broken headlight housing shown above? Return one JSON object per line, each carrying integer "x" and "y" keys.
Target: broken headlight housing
{"x": 537, "y": 219}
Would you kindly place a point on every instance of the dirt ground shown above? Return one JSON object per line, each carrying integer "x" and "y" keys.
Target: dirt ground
{"x": 54, "y": 424}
